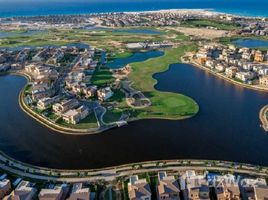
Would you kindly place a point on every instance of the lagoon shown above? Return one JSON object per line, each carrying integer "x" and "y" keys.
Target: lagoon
{"x": 226, "y": 128}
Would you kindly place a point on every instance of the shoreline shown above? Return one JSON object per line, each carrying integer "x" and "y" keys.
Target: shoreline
{"x": 252, "y": 87}
{"x": 263, "y": 118}
{"x": 111, "y": 173}
{"x": 210, "y": 11}
{"x": 72, "y": 131}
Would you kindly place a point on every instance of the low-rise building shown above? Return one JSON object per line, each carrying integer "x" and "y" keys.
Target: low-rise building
{"x": 105, "y": 93}
{"x": 261, "y": 192}
{"x": 264, "y": 80}
{"x": 138, "y": 189}
{"x": 44, "y": 103}
{"x": 24, "y": 191}
{"x": 65, "y": 105}
{"x": 74, "y": 116}
{"x": 5, "y": 188}
{"x": 231, "y": 72}
{"x": 196, "y": 186}
{"x": 55, "y": 193}
{"x": 244, "y": 76}
{"x": 248, "y": 187}
{"x": 168, "y": 187}
{"x": 79, "y": 193}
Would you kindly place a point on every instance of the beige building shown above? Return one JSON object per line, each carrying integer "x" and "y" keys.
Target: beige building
{"x": 227, "y": 192}
{"x": 65, "y": 105}
{"x": 51, "y": 194}
{"x": 258, "y": 57}
{"x": 24, "y": 191}
{"x": 74, "y": 116}
{"x": 105, "y": 93}
{"x": 231, "y": 72}
{"x": 79, "y": 193}
{"x": 261, "y": 192}
{"x": 5, "y": 188}
{"x": 168, "y": 187}
{"x": 263, "y": 80}
{"x": 138, "y": 189}
{"x": 196, "y": 187}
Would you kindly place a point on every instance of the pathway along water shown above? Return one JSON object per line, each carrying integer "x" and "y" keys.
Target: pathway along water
{"x": 226, "y": 128}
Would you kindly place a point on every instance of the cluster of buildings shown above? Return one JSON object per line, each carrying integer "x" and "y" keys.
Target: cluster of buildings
{"x": 59, "y": 88}
{"x": 148, "y": 45}
{"x": 193, "y": 186}
{"x": 156, "y": 18}
{"x": 25, "y": 190}
{"x": 255, "y": 28}
{"x": 242, "y": 64}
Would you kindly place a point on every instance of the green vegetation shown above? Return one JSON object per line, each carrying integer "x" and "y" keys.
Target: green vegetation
{"x": 102, "y": 77}
{"x": 89, "y": 122}
{"x": 164, "y": 104}
{"x": 112, "y": 115}
{"x": 210, "y": 23}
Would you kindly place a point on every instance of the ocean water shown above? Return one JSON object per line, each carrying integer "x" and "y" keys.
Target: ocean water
{"x": 9, "y": 8}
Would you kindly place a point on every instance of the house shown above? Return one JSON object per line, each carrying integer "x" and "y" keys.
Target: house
{"x": 220, "y": 68}
{"x": 138, "y": 189}
{"x": 55, "y": 193}
{"x": 41, "y": 93}
{"x": 231, "y": 72}
{"x": 89, "y": 91}
{"x": 5, "y": 188}
{"x": 44, "y": 103}
{"x": 65, "y": 105}
{"x": 227, "y": 191}
{"x": 258, "y": 57}
{"x": 24, "y": 191}
{"x": 79, "y": 193}
{"x": 248, "y": 185}
{"x": 74, "y": 116}
{"x": 264, "y": 80}
{"x": 168, "y": 187}
{"x": 261, "y": 192}
{"x": 105, "y": 93}
{"x": 244, "y": 76}
{"x": 196, "y": 186}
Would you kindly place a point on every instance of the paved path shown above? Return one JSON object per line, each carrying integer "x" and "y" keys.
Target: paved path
{"x": 263, "y": 117}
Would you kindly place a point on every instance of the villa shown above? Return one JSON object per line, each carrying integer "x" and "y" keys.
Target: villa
{"x": 168, "y": 187}
{"x": 5, "y": 187}
{"x": 78, "y": 192}
{"x": 23, "y": 191}
{"x": 138, "y": 189}
{"x": 56, "y": 193}
{"x": 74, "y": 116}
{"x": 105, "y": 93}
{"x": 65, "y": 105}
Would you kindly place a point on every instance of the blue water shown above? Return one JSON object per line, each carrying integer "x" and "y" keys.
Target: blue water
{"x": 138, "y": 31}
{"x": 251, "y": 43}
{"x": 136, "y": 57}
{"x": 43, "y": 7}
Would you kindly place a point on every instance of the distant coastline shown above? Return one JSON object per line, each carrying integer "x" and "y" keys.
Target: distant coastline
{"x": 22, "y": 8}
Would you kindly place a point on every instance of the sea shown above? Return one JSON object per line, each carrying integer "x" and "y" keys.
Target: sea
{"x": 11, "y": 8}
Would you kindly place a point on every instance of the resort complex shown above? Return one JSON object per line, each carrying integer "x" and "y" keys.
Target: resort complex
{"x": 164, "y": 104}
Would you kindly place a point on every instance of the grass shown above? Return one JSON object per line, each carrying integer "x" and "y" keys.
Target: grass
{"x": 112, "y": 115}
{"x": 89, "y": 122}
{"x": 102, "y": 77}
{"x": 211, "y": 23}
{"x": 164, "y": 104}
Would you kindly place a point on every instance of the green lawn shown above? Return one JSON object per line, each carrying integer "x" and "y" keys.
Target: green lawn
{"x": 102, "y": 77}
{"x": 211, "y": 23}
{"x": 164, "y": 104}
{"x": 89, "y": 122}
